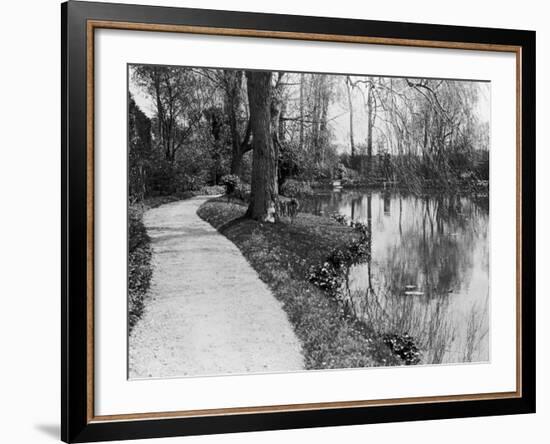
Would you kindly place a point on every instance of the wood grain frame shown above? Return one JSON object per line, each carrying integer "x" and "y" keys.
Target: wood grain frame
{"x": 79, "y": 21}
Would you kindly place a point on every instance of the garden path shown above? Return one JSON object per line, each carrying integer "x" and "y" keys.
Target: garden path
{"x": 207, "y": 312}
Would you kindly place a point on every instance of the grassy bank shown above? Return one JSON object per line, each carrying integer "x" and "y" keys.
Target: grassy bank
{"x": 283, "y": 254}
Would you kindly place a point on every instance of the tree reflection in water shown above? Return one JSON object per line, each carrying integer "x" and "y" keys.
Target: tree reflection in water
{"x": 429, "y": 270}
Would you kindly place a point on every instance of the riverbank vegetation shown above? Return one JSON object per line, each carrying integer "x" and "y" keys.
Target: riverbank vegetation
{"x": 139, "y": 265}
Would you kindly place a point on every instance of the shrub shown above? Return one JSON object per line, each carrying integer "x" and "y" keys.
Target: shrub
{"x": 296, "y": 188}
{"x": 235, "y": 187}
{"x": 139, "y": 280}
{"x": 137, "y": 235}
{"x": 210, "y": 190}
{"x": 188, "y": 182}
{"x": 404, "y": 347}
{"x": 139, "y": 264}
{"x": 327, "y": 277}
{"x": 242, "y": 192}
{"x": 231, "y": 183}
{"x": 346, "y": 173}
{"x": 341, "y": 219}
{"x": 330, "y": 275}
{"x": 166, "y": 178}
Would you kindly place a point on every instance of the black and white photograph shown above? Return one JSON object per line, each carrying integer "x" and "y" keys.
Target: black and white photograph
{"x": 263, "y": 222}
{"x": 291, "y": 221}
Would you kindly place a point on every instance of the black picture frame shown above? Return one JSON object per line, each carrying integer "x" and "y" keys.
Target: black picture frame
{"x": 76, "y": 423}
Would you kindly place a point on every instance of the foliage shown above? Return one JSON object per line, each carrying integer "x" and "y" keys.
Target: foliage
{"x": 137, "y": 235}
{"x": 330, "y": 275}
{"x": 291, "y": 161}
{"x": 231, "y": 183}
{"x": 184, "y": 143}
{"x": 242, "y": 192}
{"x": 345, "y": 171}
{"x": 167, "y": 178}
{"x": 139, "y": 264}
{"x": 341, "y": 219}
{"x": 235, "y": 187}
{"x": 139, "y": 151}
{"x": 296, "y": 188}
{"x": 403, "y": 346}
{"x": 210, "y": 190}
{"x": 177, "y": 95}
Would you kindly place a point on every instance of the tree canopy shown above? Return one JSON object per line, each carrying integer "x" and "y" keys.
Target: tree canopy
{"x": 189, "y": 127}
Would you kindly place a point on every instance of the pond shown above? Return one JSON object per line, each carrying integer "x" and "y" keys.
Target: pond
{"x": 428, "y": 275}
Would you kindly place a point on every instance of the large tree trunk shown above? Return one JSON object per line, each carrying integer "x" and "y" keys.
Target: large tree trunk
{"x": 264, "y": 187}
{"x": 236, "y": 161}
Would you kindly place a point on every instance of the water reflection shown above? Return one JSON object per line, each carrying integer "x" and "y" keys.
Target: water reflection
{"x": 429, "y": 270}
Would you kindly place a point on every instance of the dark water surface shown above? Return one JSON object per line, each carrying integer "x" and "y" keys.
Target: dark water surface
{"x": 429, "y": 270}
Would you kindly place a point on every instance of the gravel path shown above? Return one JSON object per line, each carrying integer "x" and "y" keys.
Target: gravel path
{"x": 208, "y": 312}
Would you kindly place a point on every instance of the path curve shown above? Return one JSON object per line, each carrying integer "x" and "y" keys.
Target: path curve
{"x": 208, "y": 312}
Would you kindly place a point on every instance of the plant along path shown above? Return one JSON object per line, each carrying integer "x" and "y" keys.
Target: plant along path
{"x": 208, "y": 312}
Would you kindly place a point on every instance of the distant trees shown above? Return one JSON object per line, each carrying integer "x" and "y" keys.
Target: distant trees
{"x": 428, "y": 128}
{"x": 139, "y": 150}
{"x": 178, "y": 108}
{"x": 307, "y": 149}
{"x": 268, "y": 127}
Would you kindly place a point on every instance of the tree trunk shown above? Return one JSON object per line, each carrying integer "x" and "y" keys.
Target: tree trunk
{"x": 160, "y": 113}
{"x": 232, "y": 104}
{"x": 315, "y": 118}
{"x": 264, "y": 187}
{"x": 323, "y": 132}
{"x": 236, "y": 161}
{"x": 301, "y": 112}
{"x": 370, "y": 124}
{"x": 276, "y": 109}
{"x": 350, "y": 103}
